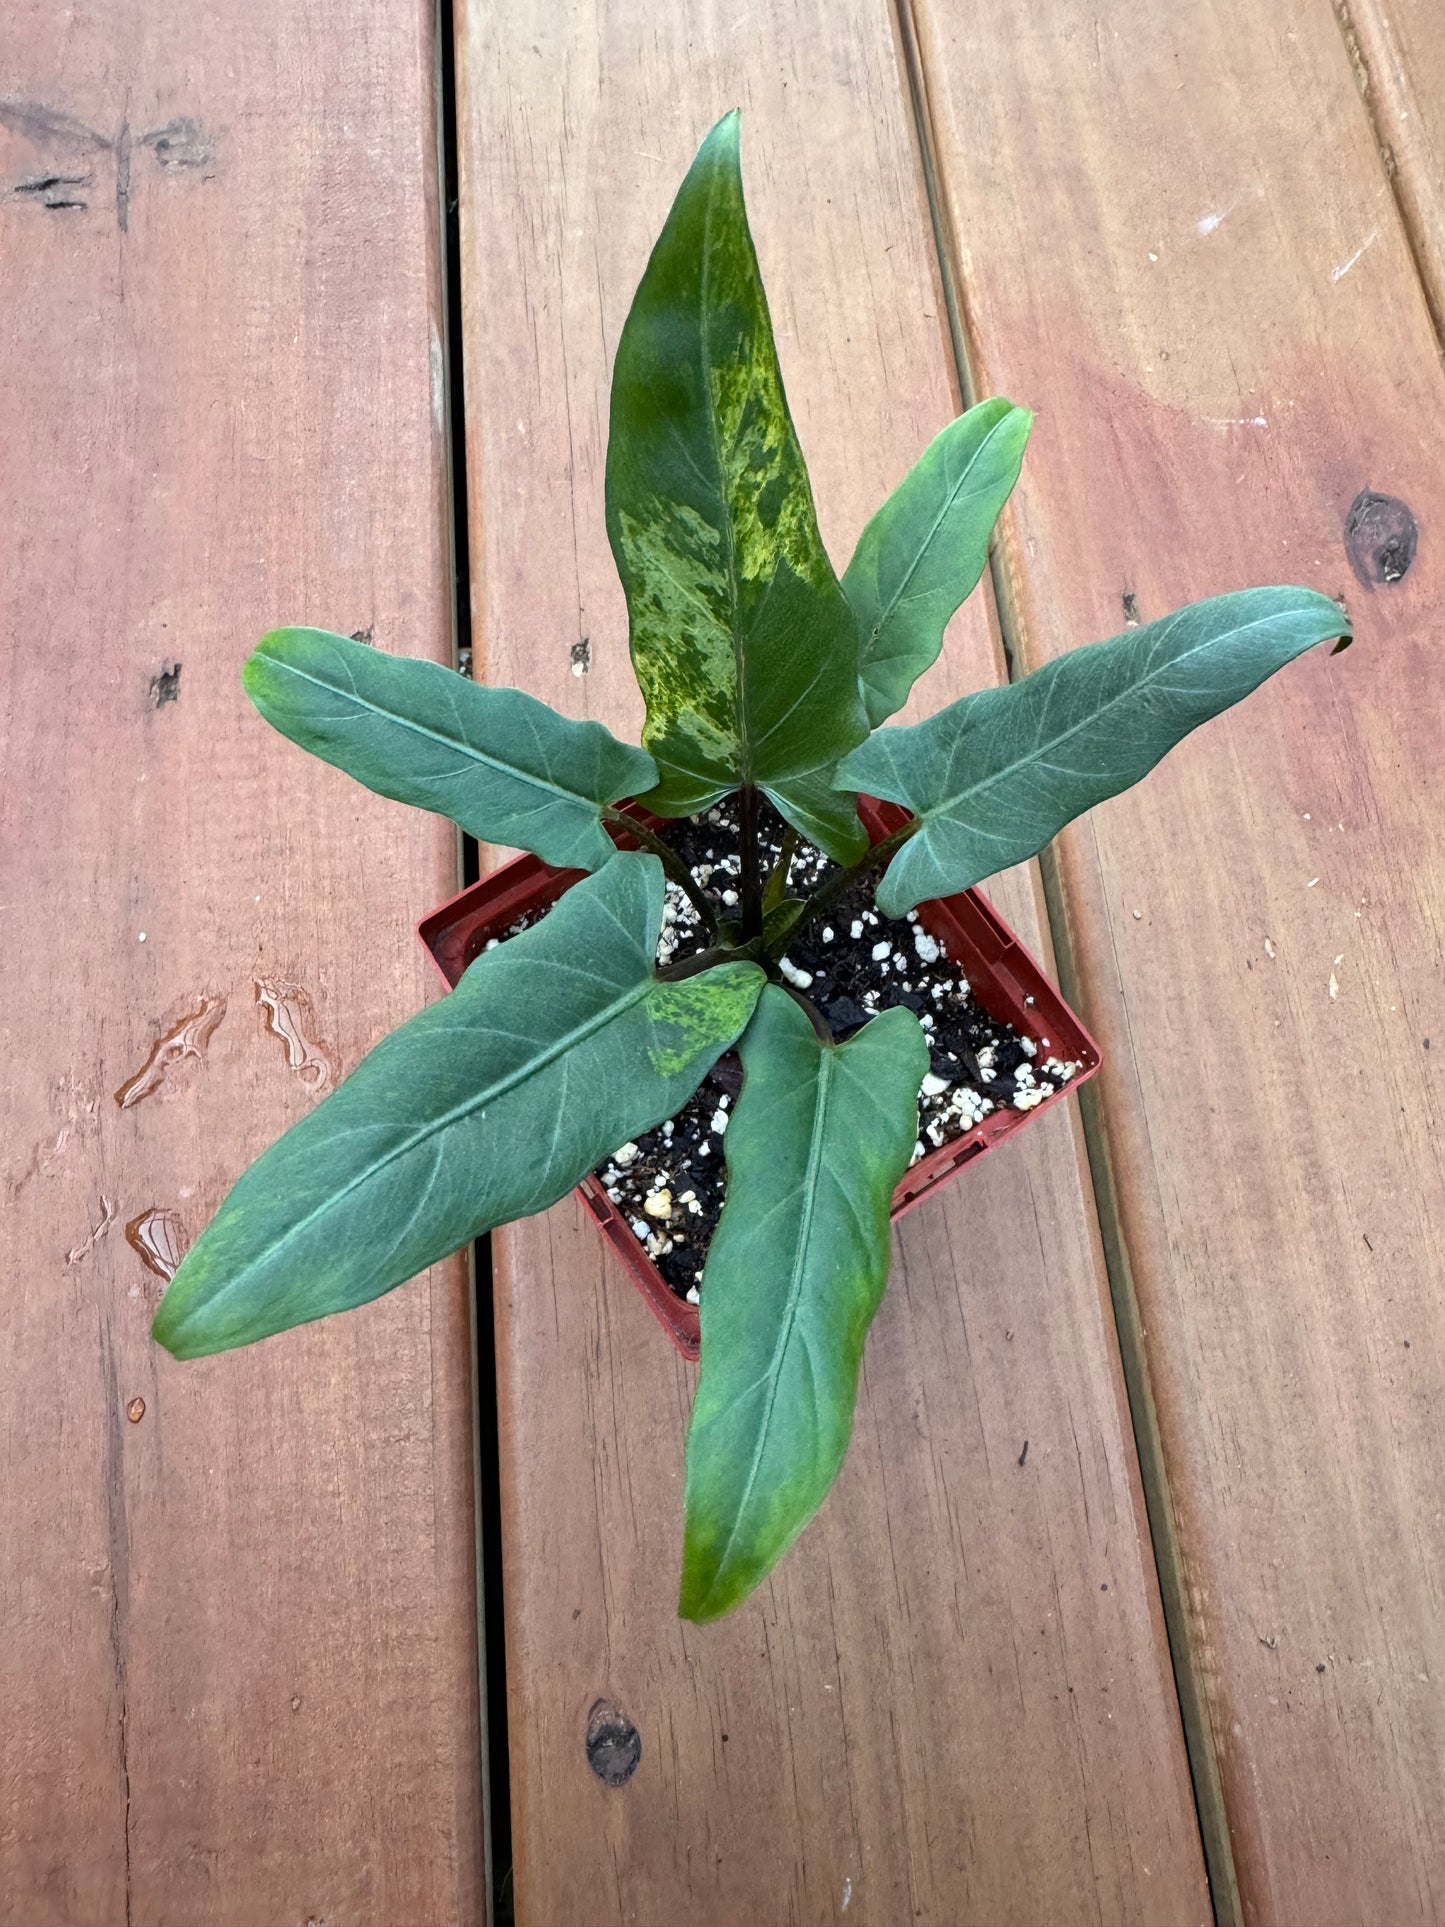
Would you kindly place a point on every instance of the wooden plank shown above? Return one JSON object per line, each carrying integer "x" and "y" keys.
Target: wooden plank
{"x": 238, "y": 1677}
{"x": 954, "y": 1701}
{"x": 1173, "y": 237}
{"x": 1398, "y": 50}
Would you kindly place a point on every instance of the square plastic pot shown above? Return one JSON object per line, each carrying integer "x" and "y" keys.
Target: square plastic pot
{"x": 1006, "y": 980}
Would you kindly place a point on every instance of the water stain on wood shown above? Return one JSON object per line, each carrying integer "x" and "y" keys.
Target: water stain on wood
{"x": 1381, "y": 536}
{"x": 187, "y": 1038}
{"x": 122, "y": 177}
{"x": 160, "y": 1238}
{"x": 614, "y": 1745}
{"x": 54, "y": 191}
{"x": 182, "y": 145}
{"x": 92, "y": 1238}
{"x": 290, "y": 1016}
{"x": 48, "y": 127}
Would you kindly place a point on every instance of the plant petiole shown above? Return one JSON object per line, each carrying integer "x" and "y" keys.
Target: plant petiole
{"x": 752, "y": 904}
{"x": 672, "y": 863}
{"x": 842, "y": 881}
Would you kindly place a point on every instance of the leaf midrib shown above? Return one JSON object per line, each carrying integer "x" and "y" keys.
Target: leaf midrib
{"x": 436, "y": 736}
{"x": 1040, "y": 750}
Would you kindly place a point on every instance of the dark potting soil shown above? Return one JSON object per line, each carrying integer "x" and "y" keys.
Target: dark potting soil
{"x": 670, "y": 1183}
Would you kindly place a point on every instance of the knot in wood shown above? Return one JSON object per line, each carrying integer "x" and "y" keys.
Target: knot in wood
{"x": 614, "y": 1745}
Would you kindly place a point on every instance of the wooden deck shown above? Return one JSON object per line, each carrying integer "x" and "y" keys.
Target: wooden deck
{"x": 1188, "y": 1655}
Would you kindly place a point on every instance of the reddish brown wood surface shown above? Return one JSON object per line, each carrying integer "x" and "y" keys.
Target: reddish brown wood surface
{"x": 237, "y": 1679}
{"x": 1174, "y": 238}
{"x": 953, "y": 1702}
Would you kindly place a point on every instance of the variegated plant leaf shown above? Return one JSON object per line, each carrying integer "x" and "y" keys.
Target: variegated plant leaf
{"x": 742, "y": 640}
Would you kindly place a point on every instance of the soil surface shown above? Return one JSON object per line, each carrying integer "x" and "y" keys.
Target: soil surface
{"x": 670, "y": 1183}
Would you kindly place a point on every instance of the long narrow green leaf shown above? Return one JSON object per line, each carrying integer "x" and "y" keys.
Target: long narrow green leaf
{"x": 819, "y": 1138}
{"x": 993, "y": 777}
{"x": 553, "y": 1049}
{"x": 742, "y": 640}
{"x": 923, "y": 552}
{"x": 498, "y": 762}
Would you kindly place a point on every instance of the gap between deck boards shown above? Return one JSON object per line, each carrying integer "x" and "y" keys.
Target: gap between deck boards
{"x": 486, "y": 1481}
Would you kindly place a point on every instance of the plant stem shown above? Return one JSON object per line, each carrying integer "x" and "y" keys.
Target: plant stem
{"x": 672, "y": 863}
{"x": 842, "y": 881}
{"x": 776, "y": 887}
{"x": 752, "y": 905}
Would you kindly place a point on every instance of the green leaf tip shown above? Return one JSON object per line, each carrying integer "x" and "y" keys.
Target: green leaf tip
{"x": 817, "y": 1141}
{"x": 922, "y": 554}
{"x": 502, "y": 765}
{"x": 485, "y": 1107}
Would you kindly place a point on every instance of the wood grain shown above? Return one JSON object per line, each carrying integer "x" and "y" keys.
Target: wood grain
{"x": 238, "y": 1677}
{"x": 1173, "y": 237}
{"x": 954, "y": 1701}
{"x": 1398, "y": 51}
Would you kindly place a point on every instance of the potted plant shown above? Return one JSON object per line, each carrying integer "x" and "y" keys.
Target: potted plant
{"x": 768, "y": 683}
{"x": 987, "y": 1009}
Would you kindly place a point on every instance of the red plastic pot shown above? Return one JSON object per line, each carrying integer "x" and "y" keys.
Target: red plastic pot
{"x": 1006, "y": 980}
